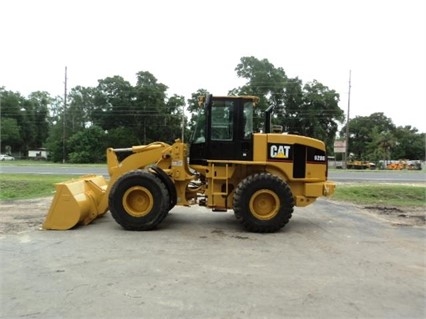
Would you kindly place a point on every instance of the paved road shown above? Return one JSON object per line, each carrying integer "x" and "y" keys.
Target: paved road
{"x": 378, "y": 176}
{"x": 335, "y": 175}
{"x": 331, "y": 261}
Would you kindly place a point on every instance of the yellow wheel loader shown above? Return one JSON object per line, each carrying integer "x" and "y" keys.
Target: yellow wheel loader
{"x": 261, "y": 176}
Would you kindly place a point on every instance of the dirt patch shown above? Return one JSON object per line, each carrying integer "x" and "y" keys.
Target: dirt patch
{"x": 402, "y": 216}
{"x": 23, "y": 215}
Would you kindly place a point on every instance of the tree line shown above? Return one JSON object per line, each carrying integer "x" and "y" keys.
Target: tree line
{"x": 116, "y": 113}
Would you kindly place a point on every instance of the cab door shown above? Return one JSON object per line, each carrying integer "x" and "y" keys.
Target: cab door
{"x": 228, "y": 131}
{"x": 228, "y": 140}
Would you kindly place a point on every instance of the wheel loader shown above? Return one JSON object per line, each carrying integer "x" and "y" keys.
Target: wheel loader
{"x": 261, "y": 176}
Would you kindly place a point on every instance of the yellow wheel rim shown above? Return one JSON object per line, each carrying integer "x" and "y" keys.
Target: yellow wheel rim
{"x": 264, "y": 204}
{"x": 138, "y": 201}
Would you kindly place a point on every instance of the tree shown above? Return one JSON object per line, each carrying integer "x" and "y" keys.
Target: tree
{"x": 149, "y": 108}
{"x": 117, "y": 114}
{"x": 11, "y": 104}
{"x": 9, "y": 132}
{"x": 113, "y": 99}
{"x": 264, "y": 81}
{"x": 121, "y": 137}
{"x": 311, "y": 109}
{"x": 37, "y": 113}
{"x": 143, "y": 109}
{"x": 410, "y": 144}
{"x": 380, "y": 147}
{"x": 291, "y": 116}
{"x": 80, "y": 109}
{"x": 369, "y": 132}
{"x": 59, "y": 131}
{"x": 87, "y": 146}
{"x": 24, "y": 121}
{"x": 55, "y": 143}
{"x": 175, "y": 118}
{"x": 319, "y": 113}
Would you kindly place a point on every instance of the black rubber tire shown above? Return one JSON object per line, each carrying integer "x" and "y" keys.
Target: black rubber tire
{"x": 138, "y": 200}
{"x": 273, "y": 198}
{"x": 167, "y": 181}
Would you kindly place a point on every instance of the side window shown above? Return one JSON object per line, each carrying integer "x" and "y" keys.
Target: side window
{"x": 222, "y": 119}
{"x": 248, "y": 120}
{"x": 199, "y": 134}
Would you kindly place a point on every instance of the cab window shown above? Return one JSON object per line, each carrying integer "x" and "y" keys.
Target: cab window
{"x": 248, "y": 120}
{"x": 222, "y": 121}
{"x": 199, "y": 134}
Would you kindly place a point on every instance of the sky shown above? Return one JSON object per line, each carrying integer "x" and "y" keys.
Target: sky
{"x": 188, "y": 45}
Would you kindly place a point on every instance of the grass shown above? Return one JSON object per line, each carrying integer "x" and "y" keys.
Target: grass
{"x": 18, "y": 186}
{"x": 382, "y": 195}
{"x": 46, "y": 163}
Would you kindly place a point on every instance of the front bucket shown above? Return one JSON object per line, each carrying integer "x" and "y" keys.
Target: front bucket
{"x": 76, "y": 202}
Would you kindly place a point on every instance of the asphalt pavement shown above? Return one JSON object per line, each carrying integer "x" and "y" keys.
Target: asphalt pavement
{"x": 332, "y": 260}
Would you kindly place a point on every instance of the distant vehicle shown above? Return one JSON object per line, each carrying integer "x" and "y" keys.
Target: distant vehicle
{"x": 360, "y": 165}
{"x": 4, "y": 157}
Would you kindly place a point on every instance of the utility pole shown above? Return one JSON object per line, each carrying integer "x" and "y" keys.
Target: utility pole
{"x": 63, "y": 117}
{"x": 0, "y": 118}
{"x": 183, "y": 124}
{"x": 347, "y": 121}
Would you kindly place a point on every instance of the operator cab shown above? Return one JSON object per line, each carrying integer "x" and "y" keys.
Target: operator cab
{"x": 224, "y": 129}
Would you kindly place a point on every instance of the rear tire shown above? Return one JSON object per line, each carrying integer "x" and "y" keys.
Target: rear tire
{"x": 263, "y": 203}
{"x": 138, "y": 200}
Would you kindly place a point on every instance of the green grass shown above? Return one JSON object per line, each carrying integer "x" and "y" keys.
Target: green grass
{"x": 382, "y": 195}
{"x": 19, "y": 186}
{"x": 46, "y": 163}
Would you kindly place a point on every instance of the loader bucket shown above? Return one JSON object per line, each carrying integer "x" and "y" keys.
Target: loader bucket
{"x": 76, "y": 202}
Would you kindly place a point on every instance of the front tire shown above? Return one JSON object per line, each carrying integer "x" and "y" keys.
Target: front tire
{"x": 263, "y": 203}
{"x": 138, "y": 200}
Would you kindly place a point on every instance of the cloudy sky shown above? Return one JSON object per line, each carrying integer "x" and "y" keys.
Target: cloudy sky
{"x": 188, "y": 45}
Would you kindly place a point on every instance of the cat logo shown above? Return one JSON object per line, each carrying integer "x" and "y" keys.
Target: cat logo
{"x": 279, "y": 151}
